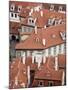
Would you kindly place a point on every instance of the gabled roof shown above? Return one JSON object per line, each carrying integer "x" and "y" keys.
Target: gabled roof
{"x": 35, "y": 40}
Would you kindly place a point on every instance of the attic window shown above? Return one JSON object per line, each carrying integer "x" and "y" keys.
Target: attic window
{"x": 19, "y": 9}
{"x": 63, "y": 35}
{"x": 60, "y": 8}
{"x": 11, "y": 14}
{"x": 50, "y": 83}
{"x": 12, "y": 8}
{"x": 32, "y": 21}
{"x": 37, "y": 39}
{"x": 40, "y": 83}
{"x": 15, "y": 15}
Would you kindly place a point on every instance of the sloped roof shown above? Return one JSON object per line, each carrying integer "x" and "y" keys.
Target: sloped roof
{"x": 47, "y": 34}
{"x": 48, "y": 72}
{"x": 13, "y": 27}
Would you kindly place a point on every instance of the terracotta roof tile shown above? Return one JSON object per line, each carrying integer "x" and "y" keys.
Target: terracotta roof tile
{"x": 46, "y": 34}
{"x": 62, "y": 61}
{"x": 14, "y": 26}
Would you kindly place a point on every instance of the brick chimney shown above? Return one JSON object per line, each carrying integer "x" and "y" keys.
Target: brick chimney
{"x": 30, "y": 12}
{"x": 33, "y": 59}
{"x": 28, "y": 74}
{"x": 43, "y": 42}
{"x": 44, "y": 59}
{"x": 56, "y": 63}
{"x": 23, "y": 59}
{"x": 35, "y": 29}
{"x": 41, "y": 13}
{"x": 63, "y": 75}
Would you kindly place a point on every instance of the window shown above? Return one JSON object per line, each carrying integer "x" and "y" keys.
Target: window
{"x": 12, "y": 8}
{"x": 50, "y": 83}
{"x": 59, "y": 48}
{"x": 18, "y": 53}
{"x": 49, "y": 51}
{"x": 19, "y": 9}
{"x": 15, "y": 15}
{"x": 11, "y": 14}
{"x": 40, "y": 83}
{"x": 54, "y": 50}
{"x": 60, "y": 8}
{"x": 32, "y": 21}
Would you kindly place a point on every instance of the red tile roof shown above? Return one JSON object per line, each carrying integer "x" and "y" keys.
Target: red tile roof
{"x": 13, "y": 27}
{"x": 48, "y": 72}
{"x": 62, "y": 61}
{"x": 17, "y": 70}
{"x": 42, "y": 20}
{"x": 24, "y": 13}
{"x": 33, "y": 43}
{"x": 25, "y": 4}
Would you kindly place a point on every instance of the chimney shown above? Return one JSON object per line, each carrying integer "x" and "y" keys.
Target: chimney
{"x": 33, "y": 59}
{"x": 35, "y": 19}
{"x": 35, "y": 29}
{"x": 28, "y": 75}
{"x": 63, "y": 75}
{"x": 44, "y": 59}
{"x": 30, "y": 12}
{"x": 41, "y": 12}
{"x": 39, "y": 64}
{"x": 16, "y": 81}
{"x": 23, "y": 59}
{"x": 56, "y": 63}
{"x": 43, "y": 41}
{"x": 45, "y": 26}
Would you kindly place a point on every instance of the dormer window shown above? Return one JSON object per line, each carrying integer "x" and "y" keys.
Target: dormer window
{"x": 60, "y": 8}
{"x": 15, "y": 15}
{"x": 51, "y": 7}
{"x": 31, "y": 21}
{"x": 63, "y": 35}
{"x": 19, "y": 8}
{"x": 11, "y": 14}
{"x": 12, "y": 7}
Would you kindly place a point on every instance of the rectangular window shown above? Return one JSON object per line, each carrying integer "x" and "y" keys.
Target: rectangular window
{"x": 41, "y": 83}
{"x": 15, "y": 15}
{"x": 49, "y": 51}
{"x": 50, "y": 83}
{"x": 60, "y": 48}
{"x": 11, "y": 14}
{"x": 54, "y": 50}
{"x": 18, "y": 53}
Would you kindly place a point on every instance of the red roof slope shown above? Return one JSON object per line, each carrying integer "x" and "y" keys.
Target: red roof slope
{"x": 35, "y": 40}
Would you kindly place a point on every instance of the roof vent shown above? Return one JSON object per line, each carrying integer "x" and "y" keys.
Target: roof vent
{"x": 43, "y": 42}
